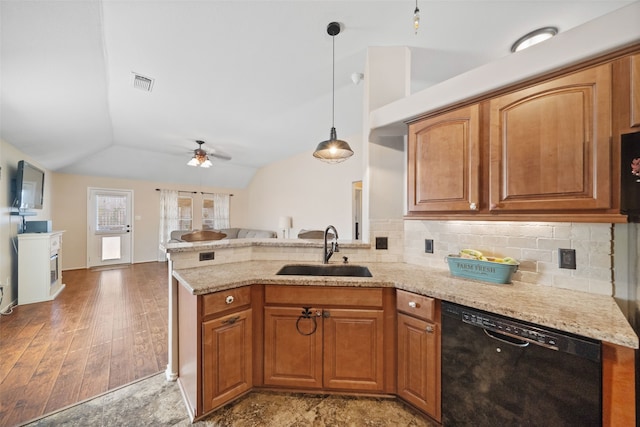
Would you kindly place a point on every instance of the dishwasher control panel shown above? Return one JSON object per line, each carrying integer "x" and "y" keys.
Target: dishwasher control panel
{"x": 511, "y": 329}
{"x": 522, "y": 331}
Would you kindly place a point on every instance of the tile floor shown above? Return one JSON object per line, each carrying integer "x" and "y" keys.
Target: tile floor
{"x": 155, "y": 402}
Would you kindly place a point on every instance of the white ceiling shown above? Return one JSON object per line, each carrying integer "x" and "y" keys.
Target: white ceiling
{"x": 251, "y": 78}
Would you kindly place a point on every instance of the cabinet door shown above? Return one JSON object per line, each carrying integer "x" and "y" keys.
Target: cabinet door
{"x": 635, "y": 91}
{"x": 444, "y": 159}
{"x": 353, "y": 356}
{"x": 550, "y": 145}
{"x": 226, "y": 358}
{"x": 418, "y": 365}
{"x": 292, "y": 348}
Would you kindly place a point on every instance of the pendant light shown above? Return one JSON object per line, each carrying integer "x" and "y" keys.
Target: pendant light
{"x": 333, "y": 150}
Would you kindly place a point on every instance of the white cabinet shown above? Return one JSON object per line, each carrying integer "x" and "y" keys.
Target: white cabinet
{"x": 39, "y": 267}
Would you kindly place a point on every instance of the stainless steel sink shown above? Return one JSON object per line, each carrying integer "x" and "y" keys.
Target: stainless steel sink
{"x": 325, "y": 270}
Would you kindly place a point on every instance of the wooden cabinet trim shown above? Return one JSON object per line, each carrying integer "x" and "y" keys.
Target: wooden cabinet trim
{"x": 316, "y": 296}
{"x": 618, "y": 386}
{"x": 634, "y": 119}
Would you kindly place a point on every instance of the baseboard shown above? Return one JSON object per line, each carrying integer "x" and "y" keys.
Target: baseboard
{"x": 9, "y": 308}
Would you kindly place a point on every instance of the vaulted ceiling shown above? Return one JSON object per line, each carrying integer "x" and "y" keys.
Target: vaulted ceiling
{"x": 250, "y": 78}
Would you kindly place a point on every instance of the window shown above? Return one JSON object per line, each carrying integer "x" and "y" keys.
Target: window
{"x": 207, "y": 214}
{"x": 111, "y": 213}
{"x": 185, "y": 213}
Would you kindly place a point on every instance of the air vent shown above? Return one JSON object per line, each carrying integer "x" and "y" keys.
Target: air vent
{"x": 142, "y": 82}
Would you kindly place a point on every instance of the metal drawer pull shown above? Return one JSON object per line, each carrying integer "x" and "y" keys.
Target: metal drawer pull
{"x": 413, "y": 304}
{"x": 429, "y": 329}
{"x": 229, "y": 299}
{"x": 231, "y": 320}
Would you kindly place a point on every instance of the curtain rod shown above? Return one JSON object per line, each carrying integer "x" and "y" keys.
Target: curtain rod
{"x": 203, "y": 192}
{"x": 179, "y": 191}
{"x": 194, "y": 192}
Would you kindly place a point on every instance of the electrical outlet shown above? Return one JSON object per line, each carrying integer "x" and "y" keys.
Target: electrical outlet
{"x": 382, "y": 243}
{"x": 428, "y": 246}
{"x": 567, "y": 258}
{"x": 207, "y": 256}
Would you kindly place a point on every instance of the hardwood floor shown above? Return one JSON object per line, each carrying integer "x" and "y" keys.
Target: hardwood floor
{"x": 107, "y": 328}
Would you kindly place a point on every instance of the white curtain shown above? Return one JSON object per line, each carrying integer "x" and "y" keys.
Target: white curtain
{"x": 168, "y": 218}
{"x": 220, "y": 211}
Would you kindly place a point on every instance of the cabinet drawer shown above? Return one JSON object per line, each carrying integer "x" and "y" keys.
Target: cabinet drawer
{"x": 322, "y": 296}
{"x": 226, "y": 300}
{"x": 416, "y": 305}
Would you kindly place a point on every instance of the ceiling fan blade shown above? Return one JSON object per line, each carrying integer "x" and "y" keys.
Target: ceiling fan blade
{"x": 219, "y": 155}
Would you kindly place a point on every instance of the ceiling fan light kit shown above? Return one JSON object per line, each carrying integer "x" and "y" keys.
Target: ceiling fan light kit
{"x": 200, "y": 157}
{"x": 333, "y": 150}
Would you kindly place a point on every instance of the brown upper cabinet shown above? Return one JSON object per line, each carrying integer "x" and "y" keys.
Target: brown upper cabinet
{"x": 550, "y": 145}
{"x": 543, "y": 150}
{"x": 444, "y": 161}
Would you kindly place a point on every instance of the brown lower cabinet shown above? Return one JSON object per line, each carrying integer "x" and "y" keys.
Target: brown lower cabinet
{"x": 342, "y": 351}
{"x": 226, "y": 358}
{"x": 419, "y": 352}
{"x": 352, "y": 340}
{"x": 334, "y": 343}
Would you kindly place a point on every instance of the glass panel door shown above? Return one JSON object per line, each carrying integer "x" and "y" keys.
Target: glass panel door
{"x": 109, "y": 237}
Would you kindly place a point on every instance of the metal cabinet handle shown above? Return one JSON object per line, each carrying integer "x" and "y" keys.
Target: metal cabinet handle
{"x": 231, "y": 320}
{"x": 473, "y": 206}
{"x": 229, "y": 299}
{"x": 413, "y": 304}
{"x": 429, "y": 329}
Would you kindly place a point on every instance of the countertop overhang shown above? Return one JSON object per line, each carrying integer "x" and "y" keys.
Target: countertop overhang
{"x": 581, "y": 313}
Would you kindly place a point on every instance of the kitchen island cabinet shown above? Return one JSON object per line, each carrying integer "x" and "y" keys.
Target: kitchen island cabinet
{"x": 215, "y": 348}
{"x": 600, "y": 318}
{"x": 329, "y": 340}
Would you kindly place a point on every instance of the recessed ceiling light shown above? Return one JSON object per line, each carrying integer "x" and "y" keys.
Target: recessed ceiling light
{"x": 534, "y": 37}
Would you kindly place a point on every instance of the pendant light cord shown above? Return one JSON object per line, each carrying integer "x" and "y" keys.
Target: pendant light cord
{"x": 333, "y": 82}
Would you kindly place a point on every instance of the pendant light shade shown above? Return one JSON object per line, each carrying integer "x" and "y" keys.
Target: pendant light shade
{"x": 333, "y": 150}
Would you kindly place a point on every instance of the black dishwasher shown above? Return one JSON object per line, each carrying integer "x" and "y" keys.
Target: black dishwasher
{"x": 497, "y": 371}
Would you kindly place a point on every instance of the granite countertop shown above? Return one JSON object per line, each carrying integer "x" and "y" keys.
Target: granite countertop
{"x": 582, "y": 313}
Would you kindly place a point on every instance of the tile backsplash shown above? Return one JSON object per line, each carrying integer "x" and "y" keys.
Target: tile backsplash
{"x": 534, "y": 245}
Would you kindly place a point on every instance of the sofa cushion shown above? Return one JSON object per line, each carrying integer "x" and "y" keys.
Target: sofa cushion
{"x": 232, "y": 233}
{"x": 246, "y": 233}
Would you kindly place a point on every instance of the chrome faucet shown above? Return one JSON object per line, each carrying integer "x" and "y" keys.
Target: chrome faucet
{"x": 334, "y": 244}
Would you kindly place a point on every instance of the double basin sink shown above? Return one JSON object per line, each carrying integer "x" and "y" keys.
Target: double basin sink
{"x": 345, "y": 270}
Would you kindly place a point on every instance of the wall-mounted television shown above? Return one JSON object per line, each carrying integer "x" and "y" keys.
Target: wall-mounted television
{"x": 29, "y": 187}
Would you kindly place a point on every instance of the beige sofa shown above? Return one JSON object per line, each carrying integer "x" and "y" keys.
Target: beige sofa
{"x": 230, "y": 233}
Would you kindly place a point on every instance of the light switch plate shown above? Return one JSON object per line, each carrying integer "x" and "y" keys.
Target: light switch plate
{"x": 382, "y": 243}
{"x": 428, "y": 246}
{"x": 567, "y": 258}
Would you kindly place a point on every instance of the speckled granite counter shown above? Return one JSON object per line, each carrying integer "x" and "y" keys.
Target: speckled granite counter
{"x": 582, "y": 313}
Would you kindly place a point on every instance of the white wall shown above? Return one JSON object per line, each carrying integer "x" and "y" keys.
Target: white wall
{"x": 9, "y": 158}
{"x": 315, "y": 194}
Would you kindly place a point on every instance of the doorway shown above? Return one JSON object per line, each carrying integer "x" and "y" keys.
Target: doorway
{"x": 357, "y": 210}
{"x": 109, "y": 233}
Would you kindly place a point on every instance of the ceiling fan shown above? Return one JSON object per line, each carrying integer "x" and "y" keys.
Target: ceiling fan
{"x": 201, "y": 157}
